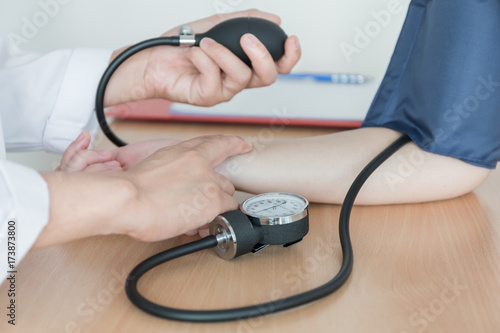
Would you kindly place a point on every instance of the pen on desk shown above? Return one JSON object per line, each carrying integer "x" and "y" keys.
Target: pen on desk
{"x": 330, "y": 78}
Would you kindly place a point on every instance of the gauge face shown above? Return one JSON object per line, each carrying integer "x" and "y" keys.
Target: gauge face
{"x": 275, "y": 206}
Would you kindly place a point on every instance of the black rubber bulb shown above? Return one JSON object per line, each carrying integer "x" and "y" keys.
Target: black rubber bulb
{"x": 229, "y": 33}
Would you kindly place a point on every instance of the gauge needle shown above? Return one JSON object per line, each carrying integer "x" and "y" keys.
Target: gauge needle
{"x": 273, "y": 207}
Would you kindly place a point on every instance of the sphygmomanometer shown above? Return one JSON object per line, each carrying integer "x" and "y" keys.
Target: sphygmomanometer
{"x": 263, "y": 220}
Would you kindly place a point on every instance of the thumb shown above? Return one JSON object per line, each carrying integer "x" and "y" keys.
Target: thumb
{"x": 218, "y": 148}
{"x": 81, "y": 142}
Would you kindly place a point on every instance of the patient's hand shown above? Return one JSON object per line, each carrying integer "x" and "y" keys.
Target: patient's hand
{"x": 78, "y": 158}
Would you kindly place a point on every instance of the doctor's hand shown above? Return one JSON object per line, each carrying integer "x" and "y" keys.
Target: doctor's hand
{"x": 173, "y": 191}
{"x": 78, "y": 158}
{"x": 204, "y": 75}
{"x": 193, "y": 195}
{"x": 128, "y": 156}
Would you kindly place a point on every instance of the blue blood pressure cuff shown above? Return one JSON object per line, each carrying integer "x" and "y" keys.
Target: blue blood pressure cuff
{"x": 442, "y": 86}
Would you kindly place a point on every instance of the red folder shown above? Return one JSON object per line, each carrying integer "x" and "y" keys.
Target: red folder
{"x": 159, "y": 110}
{"x": 297, "y": 103}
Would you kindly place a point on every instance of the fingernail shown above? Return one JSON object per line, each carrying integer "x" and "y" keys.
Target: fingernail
{"x": 80, "y": 137}
{"x": 204, "y": 232}
{"x": 111, "y": 163}
{"x": 250, "y": 40}
{"x": 296, "y": 44}
{"x": 206, "y": 42}
{"x": 104, "y": 153}
{"x": 249, "y": 143}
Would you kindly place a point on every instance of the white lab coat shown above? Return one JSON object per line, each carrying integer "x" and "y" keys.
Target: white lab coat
{"x": 46, "y": 101}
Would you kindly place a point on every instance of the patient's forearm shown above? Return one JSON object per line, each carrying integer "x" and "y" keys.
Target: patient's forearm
{"x": 323, "y": 167}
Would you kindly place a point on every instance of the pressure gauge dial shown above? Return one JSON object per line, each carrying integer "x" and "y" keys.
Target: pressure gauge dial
{"x": 265, "y": 219}
{"x": 275, "y": 208}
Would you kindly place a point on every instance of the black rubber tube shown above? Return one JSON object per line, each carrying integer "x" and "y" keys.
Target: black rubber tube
{"x": 101, "y": 89}
{"x": 269, "y": 307}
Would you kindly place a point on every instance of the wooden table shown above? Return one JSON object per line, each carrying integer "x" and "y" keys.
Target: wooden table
{"x": 431, "y": 267}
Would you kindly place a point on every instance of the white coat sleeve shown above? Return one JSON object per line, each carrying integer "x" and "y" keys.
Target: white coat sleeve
{"x": 45, "y": 102}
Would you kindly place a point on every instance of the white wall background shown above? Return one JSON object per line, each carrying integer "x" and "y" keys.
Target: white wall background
{"x": 323, "y": 27}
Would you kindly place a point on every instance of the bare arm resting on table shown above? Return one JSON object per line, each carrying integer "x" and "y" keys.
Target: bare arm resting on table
{"x": 323, "y": 167}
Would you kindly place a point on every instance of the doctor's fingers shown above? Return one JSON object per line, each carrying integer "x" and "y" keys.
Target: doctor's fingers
{"x": 202, "y": 231}
{"x": 218, "y": 197}
{"x": 205, "y": 24}
{"x": 264, "y": 68}
{"x": 235, "y": 73}
{"x": 225, "y": 204}
{"x": 217, "y": 148}
{"x": 291, "y": 57}
{"x": 222, "y": 191}
{"x": 224, "y": 183}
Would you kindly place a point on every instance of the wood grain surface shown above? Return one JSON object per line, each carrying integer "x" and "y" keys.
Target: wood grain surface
{"x": 432, "y": 267}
